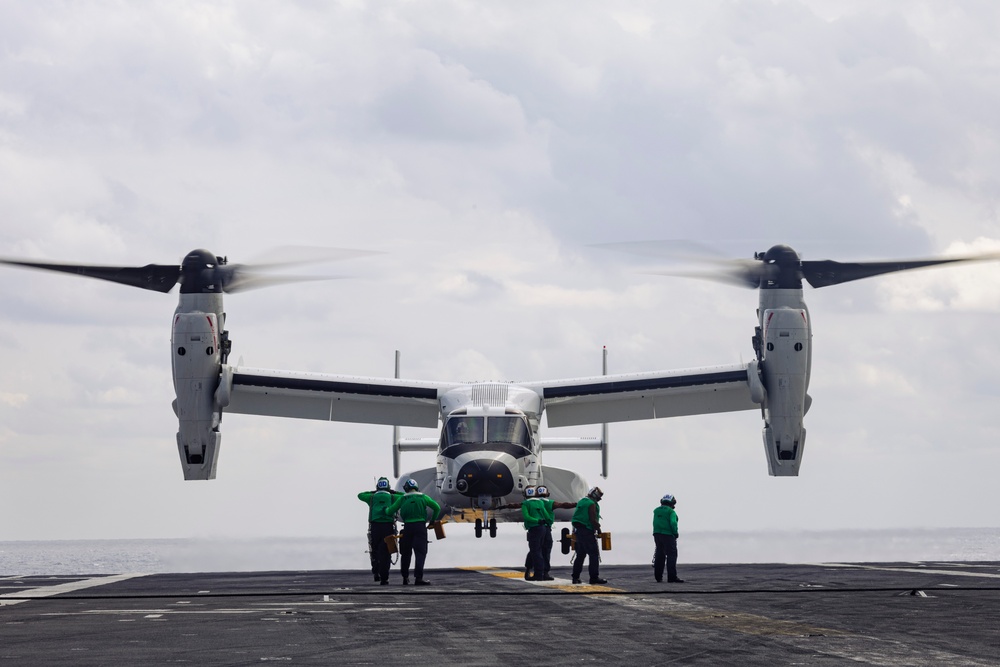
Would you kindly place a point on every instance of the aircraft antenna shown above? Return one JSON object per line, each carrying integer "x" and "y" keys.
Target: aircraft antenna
{"x": 604, "y": 426}
{"x": 395, "y": 433}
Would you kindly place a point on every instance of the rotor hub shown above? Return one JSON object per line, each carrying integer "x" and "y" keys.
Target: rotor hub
{"x": 784, "y": 268}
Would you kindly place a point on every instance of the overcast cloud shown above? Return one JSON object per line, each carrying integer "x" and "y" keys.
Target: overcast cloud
{"x": 484, "y": 148}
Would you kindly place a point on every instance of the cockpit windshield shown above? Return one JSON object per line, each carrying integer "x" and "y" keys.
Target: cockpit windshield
{"x": 505, "y": 433}
{"x": 465, "y": 429}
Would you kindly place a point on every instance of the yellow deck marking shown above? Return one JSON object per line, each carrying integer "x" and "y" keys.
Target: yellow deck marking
{"x": 508, "y": 575}
{"x": 556, "y": 583}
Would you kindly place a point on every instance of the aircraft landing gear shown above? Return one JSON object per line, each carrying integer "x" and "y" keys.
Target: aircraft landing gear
{"x": 490, "y": 525}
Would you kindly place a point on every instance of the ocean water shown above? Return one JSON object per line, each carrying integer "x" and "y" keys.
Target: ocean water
{"x": 506, "y": 550}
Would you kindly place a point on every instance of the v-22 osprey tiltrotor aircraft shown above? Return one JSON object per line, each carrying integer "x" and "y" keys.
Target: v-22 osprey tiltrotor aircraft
{"x": 490, "y": 447}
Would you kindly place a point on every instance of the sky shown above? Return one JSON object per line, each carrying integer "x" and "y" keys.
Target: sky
{"x": 484, "y": 150}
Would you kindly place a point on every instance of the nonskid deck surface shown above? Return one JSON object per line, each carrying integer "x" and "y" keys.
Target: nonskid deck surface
{"x": 824, "y": 614}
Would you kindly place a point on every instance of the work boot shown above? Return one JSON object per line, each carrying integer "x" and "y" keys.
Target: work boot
{"x": 406, "y": 580}
{"x": 546, "y": 578}
{"x": 421, "y": 582}
{"x": 383, "y": 582}
{"x": 675, "y": 581}
{"x": 576, "y": 581}
{"x": 377, "y": 577}
{"x": 598, "y": 580}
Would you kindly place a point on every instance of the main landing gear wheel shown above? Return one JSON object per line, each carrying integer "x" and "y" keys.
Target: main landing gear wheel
{"x": 493, "y": 527}
{"x": 564, "y": 540}
{"x": 479, "y": 527}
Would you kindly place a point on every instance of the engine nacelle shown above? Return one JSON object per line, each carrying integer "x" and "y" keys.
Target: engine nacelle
{"x": 785, "y": 373}
{"x": 197, "y": 365}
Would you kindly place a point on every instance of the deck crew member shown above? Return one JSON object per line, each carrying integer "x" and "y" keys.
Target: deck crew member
{"x": 381, "y": 524}
{"x": 535, "y": 516}
{"x": 665, "y": 537}
{"x": 529, "y": 561}
{"x": 412, "y": 507}
{"x": 542, "y": 493}
{"x": 586, "y": 527}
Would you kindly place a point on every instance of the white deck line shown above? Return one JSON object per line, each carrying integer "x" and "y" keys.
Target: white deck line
{"x": 915, "y": 570}
{"x": 67, "y": 587}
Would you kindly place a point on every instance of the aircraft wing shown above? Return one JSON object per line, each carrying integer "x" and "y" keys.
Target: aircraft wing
{"x": 343, "y": 398}
{"x": 651, "y": 395}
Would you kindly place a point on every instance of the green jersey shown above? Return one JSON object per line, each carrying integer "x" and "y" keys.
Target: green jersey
{"x": 536, "y": 513}
{"x": 550, "y": 508}
{"x": 412, "y": 507}
{"x": 582, "y": 513}
{"x": 378, "y": 505}
{"x": 665, "y": 521}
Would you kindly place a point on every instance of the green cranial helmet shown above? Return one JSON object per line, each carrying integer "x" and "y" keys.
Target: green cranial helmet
{"x": 382, "y": 484}
{"x": 410, "y": 485}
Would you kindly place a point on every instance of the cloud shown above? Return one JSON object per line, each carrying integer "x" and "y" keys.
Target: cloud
{"x": 483, "y": 147}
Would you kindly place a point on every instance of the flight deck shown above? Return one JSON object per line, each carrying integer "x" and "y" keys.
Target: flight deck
{"x": 927, "y": 613}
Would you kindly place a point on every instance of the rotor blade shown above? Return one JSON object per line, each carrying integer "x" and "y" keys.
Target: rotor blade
{"x": 156, "y": 277}
{"x": 670, "y": 249}
{"x": 742, "y": 273}
{"x": 710, "y": 263}
{"x": 292, "y": 255}
{"x": 244, "y": 280}
{"x": 825, "y": 272}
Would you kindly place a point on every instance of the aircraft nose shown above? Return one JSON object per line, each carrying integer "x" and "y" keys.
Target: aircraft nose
{"x": 485, "y": 477}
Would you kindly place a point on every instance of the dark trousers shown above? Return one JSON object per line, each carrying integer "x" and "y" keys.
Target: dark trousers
{"x": 413, "y": 541}
{"x": 536, "y": 538}
{"x": 380, "y": 550}
{"x": 666, "y": 550}
{"x": 586, "y": 547}
{"x": 547, "y": 549}
{"x": 371, "y": 550}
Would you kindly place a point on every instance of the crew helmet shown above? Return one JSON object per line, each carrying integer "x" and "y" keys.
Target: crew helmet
{"x": 410, "y": 485}
{"x": 595, "y": 493}
{"x": 542, "y": 491}
{"x": 529, "y": 492}
{"x": 668, "y": 500}
{"x": 382, "y": 484}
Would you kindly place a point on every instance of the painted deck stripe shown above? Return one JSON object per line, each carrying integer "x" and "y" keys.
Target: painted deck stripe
{"x": 67, "y": 587}
{"x": 561, "y": 584}
{"x": 913, "y": 570}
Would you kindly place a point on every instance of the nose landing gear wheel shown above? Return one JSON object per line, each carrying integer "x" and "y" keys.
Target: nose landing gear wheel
{"x": 479, "y": 527}
{"x": 493, "y": 527}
